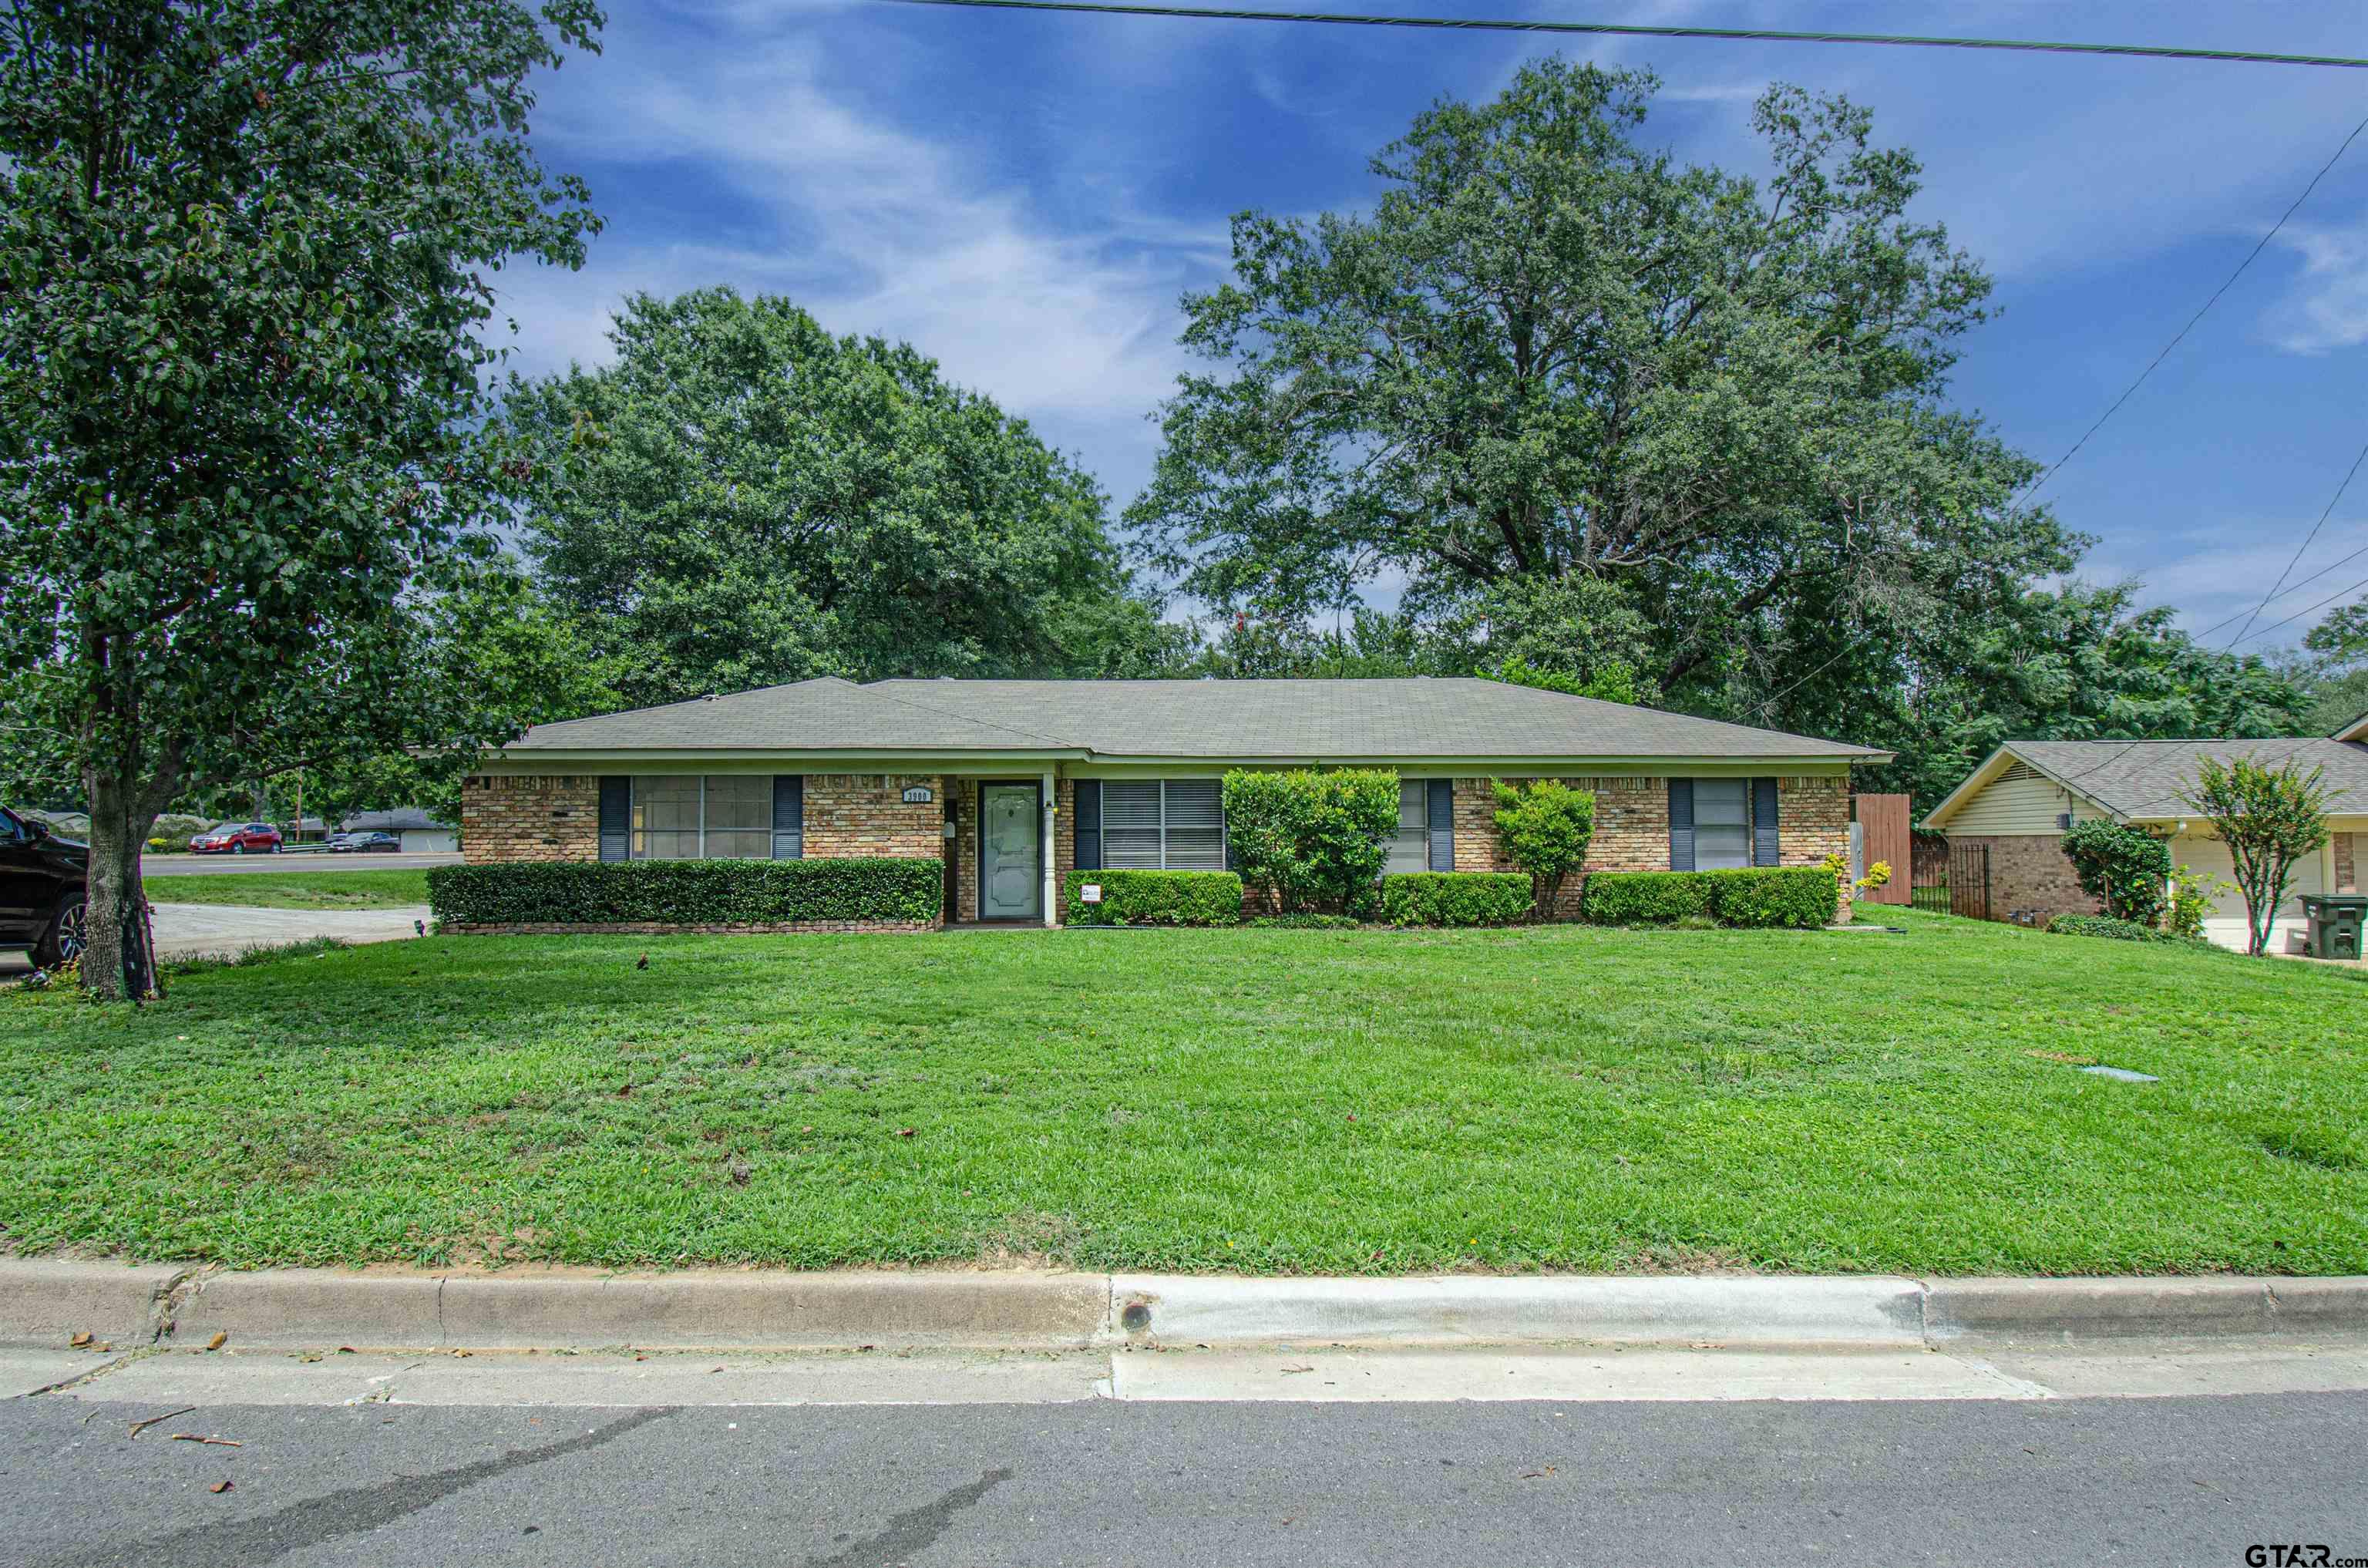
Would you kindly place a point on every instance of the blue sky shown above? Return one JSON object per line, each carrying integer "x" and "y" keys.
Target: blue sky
{"x": 1024, "y": 196}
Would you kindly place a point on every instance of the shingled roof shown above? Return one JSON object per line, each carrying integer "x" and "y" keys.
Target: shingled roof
{"x": 2142, "y": 779}
{"x": 1196, "y": 720}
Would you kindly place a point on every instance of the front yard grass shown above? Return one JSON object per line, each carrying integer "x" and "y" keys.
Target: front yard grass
{"x": 1374, "y": 1101}
{"x": 294, "y": 890}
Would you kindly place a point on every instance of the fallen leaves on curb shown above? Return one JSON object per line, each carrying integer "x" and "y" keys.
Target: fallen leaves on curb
{"x": 201, "y": 1437}
{"x": 219, "y": 1486}
{"x": 79, "y": 1342}
{"x": 1537, "y": 1474}
{"x": 219, "y": 1339}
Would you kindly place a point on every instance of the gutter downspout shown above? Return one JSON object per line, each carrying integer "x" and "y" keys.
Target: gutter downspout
{"x": 1052, "y": 854}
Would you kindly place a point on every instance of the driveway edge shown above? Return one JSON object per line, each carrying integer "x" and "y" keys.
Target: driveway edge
{"x": 46, "y": 1303}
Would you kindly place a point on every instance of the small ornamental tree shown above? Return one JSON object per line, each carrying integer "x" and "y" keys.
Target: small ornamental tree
{"x": 2125, "y": 870}
{"x": 1311, "y": 840}
{"x": 2269, "y": 818}
{"x": 248, "y": 248}
{"x": 1544, "y": 827}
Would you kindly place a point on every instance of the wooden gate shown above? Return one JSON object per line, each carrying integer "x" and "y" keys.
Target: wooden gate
{"x": 1883, "y": 819}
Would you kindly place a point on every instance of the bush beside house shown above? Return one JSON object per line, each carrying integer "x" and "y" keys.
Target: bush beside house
{"x": 1157, "y": 898}
{"x": 1803, "y": 896}
{"x": 688, "y": 894}
{"x": 1454, "y": 897}
{"x": 1311, "y": 840}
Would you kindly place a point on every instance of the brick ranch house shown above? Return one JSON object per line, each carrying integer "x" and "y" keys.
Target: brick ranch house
{"x": 2018, "y": 804}
{"x": 1116, "y": 773}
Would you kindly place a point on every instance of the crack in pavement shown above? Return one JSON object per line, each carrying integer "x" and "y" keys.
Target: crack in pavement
{"x": 267, "y": 1538}
{"x": 914, "y": 1530}
{"x": 94, "y": 1373}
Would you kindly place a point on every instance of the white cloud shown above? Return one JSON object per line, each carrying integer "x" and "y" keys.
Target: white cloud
{"x": 2328, "y": 307}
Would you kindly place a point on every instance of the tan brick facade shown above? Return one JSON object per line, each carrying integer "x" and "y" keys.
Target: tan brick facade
{"x": 2346, "y": 848}
{"x": 851, "y": 814}
{"x": 506, "y": 816}
{"x": 2031, "y": 880}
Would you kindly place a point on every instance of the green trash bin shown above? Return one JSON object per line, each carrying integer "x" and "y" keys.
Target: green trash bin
{"x": 2335, "y": 920}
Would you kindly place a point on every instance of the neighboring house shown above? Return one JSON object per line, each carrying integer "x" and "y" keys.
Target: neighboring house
{"x": 987, "y": 773}
{"x": 2018, "y": 804}
{"x": 418, "y": 832}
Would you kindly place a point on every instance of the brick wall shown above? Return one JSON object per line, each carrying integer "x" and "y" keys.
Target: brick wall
{"x": 2031, "y": 876}
{"x": 530, "y": 817}
{"x": 852, "y": 815}
{"x": 2346, "y": 848}
{"x": 1632, "y": 827}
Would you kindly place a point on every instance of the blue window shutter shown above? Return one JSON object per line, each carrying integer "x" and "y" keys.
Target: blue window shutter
{"x": 789, "y": 816}
{"x": 1088, "y": 812}
{"x": 1441, "y": 810}
{"x": 616, "y": 816}
{"x": 1682, "y": 825}
{"x": 1764, "y": 842}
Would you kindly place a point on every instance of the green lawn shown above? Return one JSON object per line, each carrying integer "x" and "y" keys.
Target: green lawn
{"x": 294, "y": 890}
{"x": 1287, "y": 1101}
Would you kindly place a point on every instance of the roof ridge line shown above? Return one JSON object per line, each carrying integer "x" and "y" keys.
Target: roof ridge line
{"x": 969, "y": 718}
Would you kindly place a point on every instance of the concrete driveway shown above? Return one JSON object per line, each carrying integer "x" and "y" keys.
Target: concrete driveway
{"x": 194, "y": 930}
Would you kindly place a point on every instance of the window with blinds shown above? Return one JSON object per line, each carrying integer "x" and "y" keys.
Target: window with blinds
{"x": 722, "y": 817}
{"x": 1722, "y": 823}
{"x": 1163, "y": 825}
{"x": 1410, "y": 846}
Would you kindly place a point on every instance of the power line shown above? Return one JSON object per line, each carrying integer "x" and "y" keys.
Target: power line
{"x": 2296, "y": 586}
{"x": 2339, "y": 594}
{"x": 1625, "y": 30}
{"x": 2261, "y": 245}
{"x": 2306, "y": 540}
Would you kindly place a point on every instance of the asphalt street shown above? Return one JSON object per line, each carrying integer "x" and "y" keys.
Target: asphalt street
{"x": 152, "y": 865}
{"x": 2089, "y": 1481}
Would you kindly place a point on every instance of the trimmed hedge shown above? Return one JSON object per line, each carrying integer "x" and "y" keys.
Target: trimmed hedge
{"x": 687, "y": 893}
{"x": 1303, "y": 921}
{"x": 1760, "y": 896}
{"x": 1454, "y": 897}
{"x": 2103, "y": 925}
{"x": 1157, "y": 898}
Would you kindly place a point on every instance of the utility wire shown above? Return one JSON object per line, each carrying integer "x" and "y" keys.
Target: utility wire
{"x": 2250, "y": 257}
{"x": 2306, "y": 539}
{"x": 2298, "y": 585}
{"x": 1624, "y": 29}
{"x": 2339, "y": 594}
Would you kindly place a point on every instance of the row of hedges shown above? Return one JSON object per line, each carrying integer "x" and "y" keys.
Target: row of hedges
{"x": 1454, "y": 897}
{"x": 2118, "y": 930}
{"x": 1157, "y": 898}
{"x": 687, "y": 893}
{"x": 1789, "y": 895}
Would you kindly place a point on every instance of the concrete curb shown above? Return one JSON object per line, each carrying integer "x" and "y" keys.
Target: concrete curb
{"x": 1488, "y": 1309}
{"x": 45, "y": 1304}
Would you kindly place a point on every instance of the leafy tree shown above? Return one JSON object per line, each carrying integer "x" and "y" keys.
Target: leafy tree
{"x": 244, "y": 257}
{"x": 1310, "y": 839}
{"x": 1549, "y": 357}
{"x": 2081, "y": 663}
{"x": 1545, "y": 827}
{"x": 2124, "y": 869}
{"x": 742, "y": 499}
{"x": 2333, "y": 673}
{"x": 2270, "y": 817}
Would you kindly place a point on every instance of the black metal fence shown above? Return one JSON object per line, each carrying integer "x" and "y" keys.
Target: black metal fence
{"x": 1959, "y": 885}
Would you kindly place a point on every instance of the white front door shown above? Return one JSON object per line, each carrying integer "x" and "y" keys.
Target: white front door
{"x": 1009, "y": 868}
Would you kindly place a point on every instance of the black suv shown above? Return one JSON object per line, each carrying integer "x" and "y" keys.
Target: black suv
{"x": 42, "y": 882}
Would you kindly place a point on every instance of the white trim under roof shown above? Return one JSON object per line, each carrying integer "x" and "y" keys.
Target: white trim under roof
{"x": 554, "y": 759}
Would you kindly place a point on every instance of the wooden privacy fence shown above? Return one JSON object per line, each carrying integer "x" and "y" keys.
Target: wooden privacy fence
{"x": 1883, "y": 822}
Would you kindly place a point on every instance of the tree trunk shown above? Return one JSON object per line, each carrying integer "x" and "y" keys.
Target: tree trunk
{"x": 119, "y": 961}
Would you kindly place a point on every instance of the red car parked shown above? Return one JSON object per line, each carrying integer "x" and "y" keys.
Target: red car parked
{"x": 237, "y": 839}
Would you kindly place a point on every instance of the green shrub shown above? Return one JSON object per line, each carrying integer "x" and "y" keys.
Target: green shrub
{"x": 1760, "y": 896}
{"x": 2120, "y": 867}
{"x": 1308, "y": 839}
{"x": 1454, "y": 897}
{"x": 2103, "y": 925}
{"x": 1304, "y": 923}
{"x": 1545, "y": 828}
{"x": 1157, "y": 898}
{"x": 686, "y": 893}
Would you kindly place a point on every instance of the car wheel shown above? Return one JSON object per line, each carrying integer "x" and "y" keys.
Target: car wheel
{"x": 239, "y": 848}
{"x": 66, "y": 936}
{"x": 277, "y": 848}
